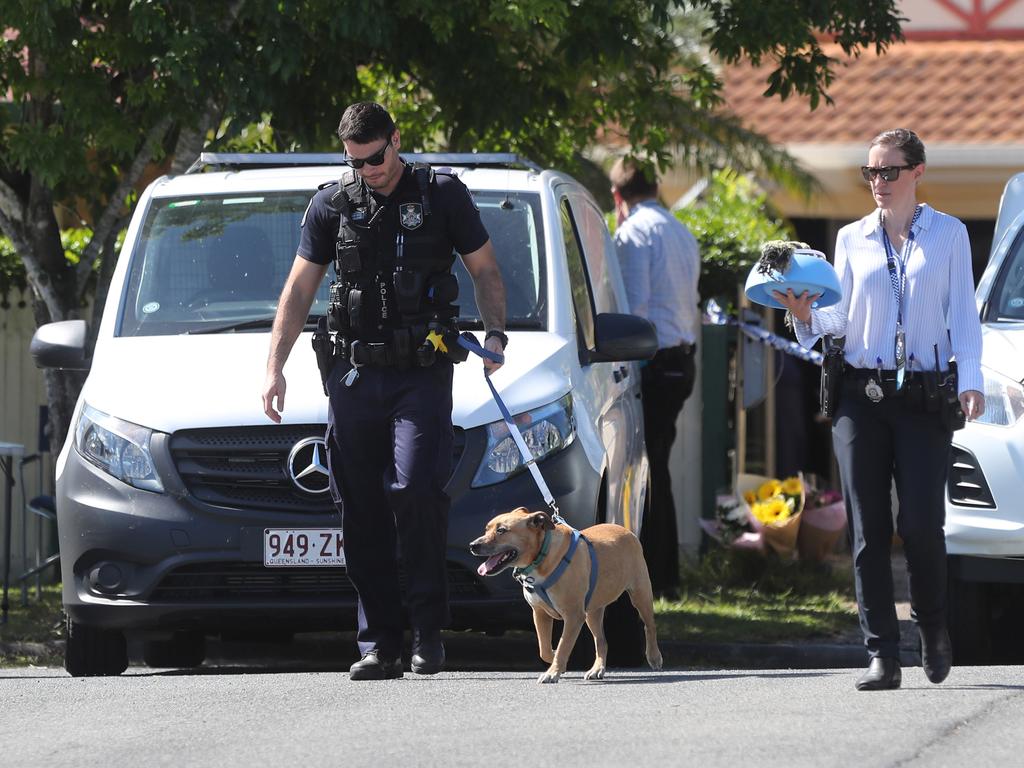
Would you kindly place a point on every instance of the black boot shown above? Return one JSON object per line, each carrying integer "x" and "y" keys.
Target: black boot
{"x": 373, "y": 666}
{"x": 936, "y": 652}
{"x": 427, "y": 652}
{"x": 883, "y": 674}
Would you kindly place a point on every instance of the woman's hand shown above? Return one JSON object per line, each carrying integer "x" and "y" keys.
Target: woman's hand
{"x": 798, "y": 306}
{"x": 972, "y": 403}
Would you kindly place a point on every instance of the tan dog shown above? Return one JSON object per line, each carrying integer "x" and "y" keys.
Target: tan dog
{"x": 515, "y": 539}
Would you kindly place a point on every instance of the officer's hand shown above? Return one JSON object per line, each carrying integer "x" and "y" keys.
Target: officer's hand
{"x": 274, "y": 386}
{"x": 493, "y": 344}
{"x": 972, "y": 403}
{"x": 799, "y": 306}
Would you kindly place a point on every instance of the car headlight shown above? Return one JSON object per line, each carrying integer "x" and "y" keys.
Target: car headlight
{"x": 546, "y": 430}
{"x": 1004, "y": 400}
{"x": 118, "y": 447}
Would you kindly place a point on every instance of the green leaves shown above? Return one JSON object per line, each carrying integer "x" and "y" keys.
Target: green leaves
{"x": 730, "y": 223}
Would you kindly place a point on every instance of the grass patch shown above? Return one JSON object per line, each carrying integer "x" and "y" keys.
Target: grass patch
{"x": 726, "y": 597}
{"x": 29, "y": 634}
{"x": 743, "y": 597}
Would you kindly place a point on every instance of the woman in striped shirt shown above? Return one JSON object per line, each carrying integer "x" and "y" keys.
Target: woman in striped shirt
{"x": 907, "y": 308}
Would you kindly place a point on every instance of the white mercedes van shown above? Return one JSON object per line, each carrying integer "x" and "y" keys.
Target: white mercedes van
{"x": 184, "y": 513}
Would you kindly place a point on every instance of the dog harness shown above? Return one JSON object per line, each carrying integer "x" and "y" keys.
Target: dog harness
{"x": 524, "y": 578}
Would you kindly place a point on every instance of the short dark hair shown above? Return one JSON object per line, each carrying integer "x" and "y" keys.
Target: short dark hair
{"x": 905, "y": 140}
{"x": 634, "y": 182}
{"x": 365, "y": 121}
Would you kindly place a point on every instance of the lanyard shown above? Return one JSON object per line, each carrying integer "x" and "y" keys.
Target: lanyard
{"x": 899, "y": 285}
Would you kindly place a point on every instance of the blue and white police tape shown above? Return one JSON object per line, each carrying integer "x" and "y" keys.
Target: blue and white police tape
{"x": 717, "y": 316}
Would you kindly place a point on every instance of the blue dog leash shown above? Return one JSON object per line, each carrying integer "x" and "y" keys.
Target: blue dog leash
{"x": 513, "y": 430}
{"x": 522, "y": 574}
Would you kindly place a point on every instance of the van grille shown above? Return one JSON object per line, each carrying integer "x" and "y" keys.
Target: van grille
{"x": 245, "y": 468}
{"x": 207, "y": 582}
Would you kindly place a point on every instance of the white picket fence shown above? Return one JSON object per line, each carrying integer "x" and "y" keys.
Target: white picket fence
{"x": 22, "y": 393}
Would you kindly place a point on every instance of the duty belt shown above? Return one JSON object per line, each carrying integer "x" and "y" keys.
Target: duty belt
{"x": 408, "y": 347}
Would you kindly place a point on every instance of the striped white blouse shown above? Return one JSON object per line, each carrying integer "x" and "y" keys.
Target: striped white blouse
{"x": 939, "y": 294}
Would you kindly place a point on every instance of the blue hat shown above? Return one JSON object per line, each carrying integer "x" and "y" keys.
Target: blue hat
{"x": 792, "y": 265}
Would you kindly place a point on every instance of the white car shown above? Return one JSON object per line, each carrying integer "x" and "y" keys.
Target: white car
{"x": 174, "y": 490}
{"x": 984, "y": 507}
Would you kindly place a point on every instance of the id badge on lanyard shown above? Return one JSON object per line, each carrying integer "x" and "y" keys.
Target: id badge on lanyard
{"x": 899, "y": 286}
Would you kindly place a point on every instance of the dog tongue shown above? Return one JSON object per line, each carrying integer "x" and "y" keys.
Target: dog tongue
{"x": 490, "y": 564}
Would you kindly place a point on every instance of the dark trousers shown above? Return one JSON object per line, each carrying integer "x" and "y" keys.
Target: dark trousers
{"x": 874, "y": 444}
{"x": 666, "y": 382}
{"x": 389, "y": 439}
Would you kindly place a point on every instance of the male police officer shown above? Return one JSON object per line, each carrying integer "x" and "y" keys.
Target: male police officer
{"x": 390, "y": 229}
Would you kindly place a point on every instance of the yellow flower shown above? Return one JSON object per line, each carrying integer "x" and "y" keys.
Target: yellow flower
{"x": 768, "y": 489}
{"x": 750, "y": 497}
{"x": 792, "y": 486}
{"x": 774, "y": 510}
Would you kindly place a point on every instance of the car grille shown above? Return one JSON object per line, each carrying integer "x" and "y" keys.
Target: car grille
{"x": 206, "y": 582}
{"x": 245, "y": 468}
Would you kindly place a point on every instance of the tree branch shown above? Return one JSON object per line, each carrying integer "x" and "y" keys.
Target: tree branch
{"x": 11, "y": 211}
{"x": 112, "y": 212}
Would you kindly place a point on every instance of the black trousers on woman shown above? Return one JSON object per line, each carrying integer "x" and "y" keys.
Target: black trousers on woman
{"x": 876, "y": 443}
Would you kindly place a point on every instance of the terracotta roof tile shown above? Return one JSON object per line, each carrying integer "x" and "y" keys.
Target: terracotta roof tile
{"x": 952, "y": 91}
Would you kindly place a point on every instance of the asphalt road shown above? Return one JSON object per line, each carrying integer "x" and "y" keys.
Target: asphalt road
{"x": 231, "y": 715}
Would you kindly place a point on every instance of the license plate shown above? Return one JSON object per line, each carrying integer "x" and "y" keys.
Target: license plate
{"x": 302, "y": 546}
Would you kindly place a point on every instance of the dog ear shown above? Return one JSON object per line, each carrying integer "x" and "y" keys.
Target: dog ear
{"x": 541, "y": 520}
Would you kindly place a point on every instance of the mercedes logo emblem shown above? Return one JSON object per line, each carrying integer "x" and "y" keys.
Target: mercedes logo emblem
{"x": 307, "y": 465}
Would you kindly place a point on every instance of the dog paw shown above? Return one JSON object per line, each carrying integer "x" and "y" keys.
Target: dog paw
{"x": 655, "y": 662}
{"x": 596, "y": 673}
{"x": 549, "y": 677}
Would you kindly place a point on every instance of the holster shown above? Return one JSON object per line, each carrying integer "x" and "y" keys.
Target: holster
{"x": 323, "y": 348}
{"x": 953, "y": 415}
{"x": 831, "y": 376}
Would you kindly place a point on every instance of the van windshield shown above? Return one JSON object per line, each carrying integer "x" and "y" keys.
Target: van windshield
{"x": 220, "y": 262}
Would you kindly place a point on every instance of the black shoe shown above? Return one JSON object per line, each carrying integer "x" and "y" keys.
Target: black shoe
{"x": 427, "y": 652}
{"x": 374, "y": 667}
{"x": 936, "y": 653}
{"x": 882, "y": 675}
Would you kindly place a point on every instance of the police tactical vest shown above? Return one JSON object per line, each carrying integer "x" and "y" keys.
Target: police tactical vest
{"x": 393, "y": 264}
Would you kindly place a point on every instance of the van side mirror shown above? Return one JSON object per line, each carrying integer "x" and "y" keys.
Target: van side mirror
{"x": 61, "y": 345}
{"x": 619, "y": 338}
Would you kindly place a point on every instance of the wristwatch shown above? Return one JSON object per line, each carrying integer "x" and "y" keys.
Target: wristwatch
{"x": 498, "y": 334}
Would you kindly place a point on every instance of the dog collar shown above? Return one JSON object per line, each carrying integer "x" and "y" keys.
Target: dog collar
{"x": 517, "y": 572}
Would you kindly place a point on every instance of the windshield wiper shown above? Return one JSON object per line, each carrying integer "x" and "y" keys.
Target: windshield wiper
{"x": 247, "y": 325}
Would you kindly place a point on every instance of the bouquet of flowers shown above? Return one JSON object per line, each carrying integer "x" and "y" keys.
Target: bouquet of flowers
{"x": 775, "y": 507}
{"x": 790, "y": 517}
{"x": 731, "y": 525}
{"x": 824, "y": 521}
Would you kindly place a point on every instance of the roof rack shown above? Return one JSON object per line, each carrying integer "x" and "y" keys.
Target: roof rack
{"x": 242, "y": 160}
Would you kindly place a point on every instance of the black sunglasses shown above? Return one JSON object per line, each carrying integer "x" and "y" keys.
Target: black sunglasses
{"x": 887, "y": 172}
{"x": 377, "y": 158}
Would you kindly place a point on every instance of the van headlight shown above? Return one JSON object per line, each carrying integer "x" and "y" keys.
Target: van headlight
{"x": 1004, "y": 400}
{"x": 546, "y": 430}
{"x": 118, "y": 447}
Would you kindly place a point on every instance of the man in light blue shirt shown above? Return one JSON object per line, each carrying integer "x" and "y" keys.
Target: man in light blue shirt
{"x": 660, "y": 265}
